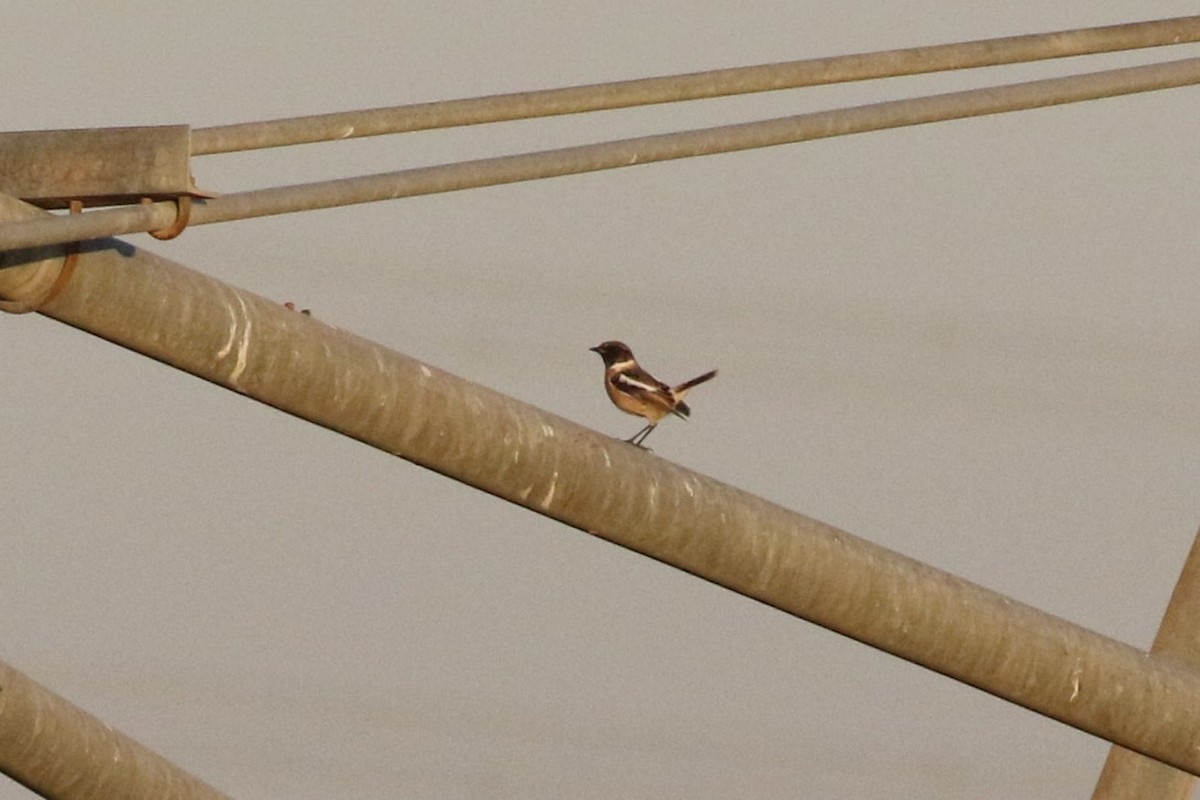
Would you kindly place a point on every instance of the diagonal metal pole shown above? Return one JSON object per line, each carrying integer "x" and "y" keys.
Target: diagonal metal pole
{"x": 62, "y": 752}
{"x": 1127, "y": 775}
{"x": 618, "y": 492}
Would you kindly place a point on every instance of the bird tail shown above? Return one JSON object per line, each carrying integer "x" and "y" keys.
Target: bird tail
{"x": 682, "y": 388}
{"x": 681, "y": 408}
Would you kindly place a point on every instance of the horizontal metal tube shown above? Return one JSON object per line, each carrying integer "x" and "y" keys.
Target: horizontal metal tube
{"x": 609, "y": 155}
{"x": 693, "y": 86}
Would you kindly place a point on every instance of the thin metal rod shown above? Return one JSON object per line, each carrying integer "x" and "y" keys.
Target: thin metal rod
{"x": 1128, "y": 775}
{"x": 623, "y": 494}
{"x": 609, "y": 155}
{"x": 694, "y": 86}
{"x": 61, "y": 752}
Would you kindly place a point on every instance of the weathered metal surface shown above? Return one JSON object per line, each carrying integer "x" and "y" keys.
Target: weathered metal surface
{"x": 60, "y": 751}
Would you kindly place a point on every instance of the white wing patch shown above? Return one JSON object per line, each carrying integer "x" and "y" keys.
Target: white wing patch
{"x": 624, "y": 380}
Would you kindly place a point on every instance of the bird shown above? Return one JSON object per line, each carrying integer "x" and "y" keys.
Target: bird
{"x": 637, "y": 392}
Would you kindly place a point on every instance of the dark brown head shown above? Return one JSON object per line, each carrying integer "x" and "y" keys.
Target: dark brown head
{"x": 613, "y": 352}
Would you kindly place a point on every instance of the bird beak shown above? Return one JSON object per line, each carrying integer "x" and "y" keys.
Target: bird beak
{"x": 594, "y": 349}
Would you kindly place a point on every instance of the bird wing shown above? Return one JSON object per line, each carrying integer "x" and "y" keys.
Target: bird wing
{"x": 650, "y": 390}
{"x": 640, "y": 380}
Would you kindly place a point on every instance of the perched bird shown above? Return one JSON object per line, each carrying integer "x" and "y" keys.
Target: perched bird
{"x": 637, "y": 392}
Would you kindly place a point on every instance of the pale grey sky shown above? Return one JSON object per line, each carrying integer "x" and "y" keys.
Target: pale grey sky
{"x": 973, "y": 343}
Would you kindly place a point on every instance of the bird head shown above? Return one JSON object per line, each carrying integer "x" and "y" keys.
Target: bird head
{"x": 613, "y": 352}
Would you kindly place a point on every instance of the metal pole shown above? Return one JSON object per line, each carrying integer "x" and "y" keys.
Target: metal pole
{"x": 627, "y": 496}
{"x": 62, "y": 752}
{"x": 608, "y": 155}
{"x": 1127, "y": 775}
{"x": 693, "y": 86}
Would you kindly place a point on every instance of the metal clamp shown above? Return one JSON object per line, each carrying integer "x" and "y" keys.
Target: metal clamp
{"x": 183, "y": 212}
{"x": 63, "y": 270}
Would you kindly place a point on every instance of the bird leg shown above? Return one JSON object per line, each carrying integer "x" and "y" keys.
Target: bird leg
{"x": 640, "y": 436}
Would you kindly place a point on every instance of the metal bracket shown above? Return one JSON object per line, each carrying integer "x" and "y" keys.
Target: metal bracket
{"x": 98, "y": 166}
